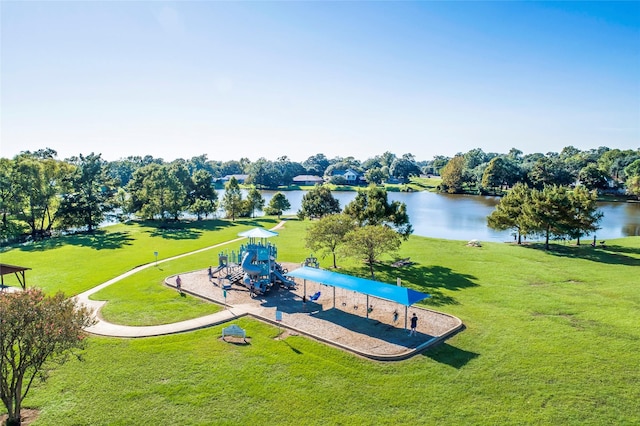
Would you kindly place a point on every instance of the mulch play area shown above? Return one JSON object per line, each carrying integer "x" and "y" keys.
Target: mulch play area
{"x": 346, "y": 325}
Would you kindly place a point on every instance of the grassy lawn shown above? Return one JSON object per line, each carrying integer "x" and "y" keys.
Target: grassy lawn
{"x": 551, "y": 338}
{"x": 77, "y": 263}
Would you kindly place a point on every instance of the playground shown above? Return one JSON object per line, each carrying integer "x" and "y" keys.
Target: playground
{"x": 377, "y": 337}
{"x": 339, "y": 310}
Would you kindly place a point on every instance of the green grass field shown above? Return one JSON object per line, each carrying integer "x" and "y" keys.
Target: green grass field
{"x": 551, "y": 338}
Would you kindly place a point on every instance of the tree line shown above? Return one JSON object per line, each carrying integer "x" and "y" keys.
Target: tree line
{"x": 41, "y": 194}
{"x": 601, "y": 169}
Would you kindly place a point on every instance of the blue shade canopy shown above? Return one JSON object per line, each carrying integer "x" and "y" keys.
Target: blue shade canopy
{"x": 258, "y": 233}
{"x": 402, "y": 295}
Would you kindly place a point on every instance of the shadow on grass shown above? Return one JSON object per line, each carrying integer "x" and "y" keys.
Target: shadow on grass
{"x": 193, "y": 229}
{"x": 450, "y": 355}
{"x": 428, "y": 279}
{"x": 611, "y": 254}
{"x": 98, "y": 240}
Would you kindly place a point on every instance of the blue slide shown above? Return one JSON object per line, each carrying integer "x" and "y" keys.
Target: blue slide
{"x": 247, "y": 266}
{"x": 286, "y": 282}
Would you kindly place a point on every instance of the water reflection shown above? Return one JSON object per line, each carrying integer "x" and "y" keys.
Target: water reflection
{"x": 464, "y": 217}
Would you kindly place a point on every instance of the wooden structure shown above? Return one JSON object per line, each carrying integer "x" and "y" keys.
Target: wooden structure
{"x": 12, "y": 269}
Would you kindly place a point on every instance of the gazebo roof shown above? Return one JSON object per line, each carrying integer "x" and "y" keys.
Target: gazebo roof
{"x": 13, "y": 269}
{"x": 258, "y": 233}
{"x": 10, "y": 269}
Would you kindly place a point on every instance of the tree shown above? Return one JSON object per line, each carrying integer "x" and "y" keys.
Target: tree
{"x": 289, "y": 169}
{"x": 370, "y": 242}
{"x": 159, "y": 190}
{"x": 89, "y": 195}
{"x": 37, "y": 183}
{"x": 370, "y": 207}
{"x": 510, "y": 211}
{"x": 318, "y": 202}
{"x": 633, "y": 185}
{"x": 633, "y": 169}
{"x": 10, "y": 228}
{"x": 549, "y": 212}
{"x": 254, "y": 201}
{"x": 592, "y": 177}
{"x": 375, "y": 175}
{"x": 232, "y": 199}
{"x": 404, "y": 167}
{"x": 438, "y": 162}
{"x": 550, "y": 171}
{"x": 277, "y": 205}
{"x": 34, "y": 331}
{"x": 316, "y": 164}
{"x": 453, "y": 175}
{"x": 265, "y": 174}
{"x": 500, "y": 172}
{"x": 203, "y": 197}
{"x": 325, "y": 235}
{"x": 585, "y": 213}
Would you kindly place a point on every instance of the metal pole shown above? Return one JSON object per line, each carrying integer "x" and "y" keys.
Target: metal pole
{"x": 406, "y": 314}
{"x": 367, "y": 306}
{"x": 334, "y": 297}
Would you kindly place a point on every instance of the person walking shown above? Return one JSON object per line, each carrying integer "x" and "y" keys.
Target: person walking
{"x": 414, "y": 325}
{"x": 179, "y": 284}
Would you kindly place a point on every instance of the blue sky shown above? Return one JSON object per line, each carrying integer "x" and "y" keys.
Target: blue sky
{"x": 267, "y": 79}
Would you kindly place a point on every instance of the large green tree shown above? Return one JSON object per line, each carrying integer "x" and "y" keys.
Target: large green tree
{"x": 10, "y": 227}
{"x": 203, "y": 196}
{"x": 404, "y": 167}
{"x": 253, "y": 202}
{"x": 38, "y": 178}
{"x": 35, "y": 331}
{"x": 550, "y": 212}
{"x": 318, "y": 202}
{"x": 585, "y": 214}
{"x": 316, "y": 164}
{"x": 453, "y": 175}
{"x": 370, "y": 242}
{"x": 371, "y": 207}
{"x": 510, "y": 211}
{"x": 265, "y": 174}
{"x": 326, "y": 235}
{"x": 232, "y": 201}
{"x": 550, "y": 171}
{"x": 88, "y": 197}
{"x": 501, "y": 172}
{"x": 592, "y": 177}
{"x": 277, "y": 205}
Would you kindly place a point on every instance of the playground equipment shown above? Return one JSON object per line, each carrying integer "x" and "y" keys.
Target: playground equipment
{"x": 254, "y": 265}
{"x": 314, "y": 297}
{"x": 311, "y": 261}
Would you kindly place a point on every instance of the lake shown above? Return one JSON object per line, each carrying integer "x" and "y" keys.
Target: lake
{"x": 464, "y": 217}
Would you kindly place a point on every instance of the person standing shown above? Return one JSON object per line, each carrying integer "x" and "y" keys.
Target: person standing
{"x": 414, "y": 325}
{"x": 179, "y": 284}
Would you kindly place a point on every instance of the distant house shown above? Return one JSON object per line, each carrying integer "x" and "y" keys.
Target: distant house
{"x": 307, "y": 180}
{"x": 350, "y": 176}
{"x": 239, "y": 178}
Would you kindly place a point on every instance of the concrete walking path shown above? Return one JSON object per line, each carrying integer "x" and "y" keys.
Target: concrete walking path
{"x": 104, "y": 328}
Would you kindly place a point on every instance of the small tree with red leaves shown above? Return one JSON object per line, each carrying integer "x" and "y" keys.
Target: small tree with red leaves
{"x": 35, "y": 330}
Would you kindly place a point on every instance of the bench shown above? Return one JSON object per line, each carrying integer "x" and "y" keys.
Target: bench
{"x": 234, "y": 330}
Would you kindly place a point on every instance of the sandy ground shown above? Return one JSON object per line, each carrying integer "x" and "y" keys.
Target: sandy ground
{"x": 341, "y": 321}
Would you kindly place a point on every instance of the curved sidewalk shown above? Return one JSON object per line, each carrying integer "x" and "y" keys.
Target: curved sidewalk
{"x": 105, "y": 328}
